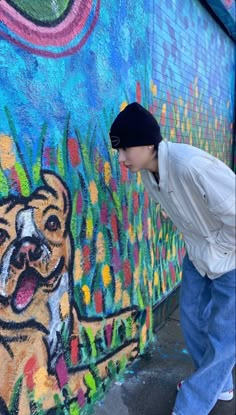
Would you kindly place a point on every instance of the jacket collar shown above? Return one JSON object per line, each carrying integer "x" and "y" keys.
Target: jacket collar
{"x": 162, "y": 166}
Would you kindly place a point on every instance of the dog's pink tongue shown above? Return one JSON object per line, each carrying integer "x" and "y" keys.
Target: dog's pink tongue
{"x": 25, "y": 291}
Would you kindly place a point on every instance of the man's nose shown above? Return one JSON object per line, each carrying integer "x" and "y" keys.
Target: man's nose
{"x": 121, "y": 156}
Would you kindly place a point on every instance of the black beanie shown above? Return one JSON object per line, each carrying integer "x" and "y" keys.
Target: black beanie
{"x": 134, "y": 126}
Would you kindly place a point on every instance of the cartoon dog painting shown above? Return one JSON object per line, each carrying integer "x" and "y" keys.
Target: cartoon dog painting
{"x": 36, "y": 283}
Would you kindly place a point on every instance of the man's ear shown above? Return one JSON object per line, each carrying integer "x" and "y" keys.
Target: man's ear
{"x": 57, "y": 187}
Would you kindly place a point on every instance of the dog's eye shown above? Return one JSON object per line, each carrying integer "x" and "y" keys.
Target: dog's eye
{"x": 53, "y": 223}
{"x": 3, "y": 236}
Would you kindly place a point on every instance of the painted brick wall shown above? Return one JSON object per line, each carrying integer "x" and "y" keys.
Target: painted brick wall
{"x": 84, "y": 255}
{"x": 193, "y": 69}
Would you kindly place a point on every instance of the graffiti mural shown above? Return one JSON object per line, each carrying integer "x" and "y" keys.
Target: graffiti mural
{"x": 84, "y": 254}
{"x": 194, "y": 90}
{"x": 38, "y": 312}
{"x": 62, "y": 273}
{"x": 49, "y": 28}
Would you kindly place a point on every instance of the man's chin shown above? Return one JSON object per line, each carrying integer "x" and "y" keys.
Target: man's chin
{"x": 133, "y": 169}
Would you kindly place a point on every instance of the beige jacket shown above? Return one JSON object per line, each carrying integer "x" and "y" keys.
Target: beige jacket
{"x": 198, "y": 193}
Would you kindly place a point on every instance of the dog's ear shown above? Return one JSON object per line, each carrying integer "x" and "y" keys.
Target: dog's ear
{"x": 58, "y": 187}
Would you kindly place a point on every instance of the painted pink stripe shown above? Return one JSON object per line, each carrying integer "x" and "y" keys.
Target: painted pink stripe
{"x": 44, "y": 36}
{"x": 50, "y": 54}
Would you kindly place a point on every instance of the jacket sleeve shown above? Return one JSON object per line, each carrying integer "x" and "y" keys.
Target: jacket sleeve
{"x": 217, "y": 185}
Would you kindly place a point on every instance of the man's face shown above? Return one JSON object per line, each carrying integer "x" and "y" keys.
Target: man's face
{"x": 136, "y": 158}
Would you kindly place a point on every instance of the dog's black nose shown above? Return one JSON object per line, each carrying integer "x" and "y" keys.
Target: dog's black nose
{"x": 27, "y": 253}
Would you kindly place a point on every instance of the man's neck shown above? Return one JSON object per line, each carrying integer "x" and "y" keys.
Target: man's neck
{"x": 153, "y": 166}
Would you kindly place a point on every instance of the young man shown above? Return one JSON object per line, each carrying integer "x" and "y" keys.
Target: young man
{"x": 197, "y": 191}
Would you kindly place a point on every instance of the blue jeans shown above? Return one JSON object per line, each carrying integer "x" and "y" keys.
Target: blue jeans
{"x": 207, "y": 316}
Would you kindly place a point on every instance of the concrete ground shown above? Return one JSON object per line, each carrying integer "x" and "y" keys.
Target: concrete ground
{"x": 149, "y": 387}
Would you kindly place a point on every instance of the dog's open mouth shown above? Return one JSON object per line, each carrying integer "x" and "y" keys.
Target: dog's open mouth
{"x": 26, "y": 287}
{"x": 28, "y": 283}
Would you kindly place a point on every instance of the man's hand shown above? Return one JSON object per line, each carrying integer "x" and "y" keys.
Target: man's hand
{"x": 164, "y": 215}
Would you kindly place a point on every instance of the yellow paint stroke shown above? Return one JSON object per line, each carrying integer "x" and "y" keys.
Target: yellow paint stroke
{"x": 153, "y": 88}
{"x": 163, "y": 109}
{"x": 149, "y": 223}
{"x": 163, "y": 287}
{"x": 188, "y": 125}
{"x": 156, "y": 278}
{"x": 64, "y": 306}
{"x": 172, "y": 133}
{"x": 174, "y": 249}
{"x": 107, "y": 172}
{"x": 7, "y": 155}
{"x": 168, "y": 257}
{"x": 125, "y": 299}
{"x": 93, "y": 191}
{"x": 78, "y": 270}
{"x": 106, "y": 275}
{"x": 100, "y": 244}
{"x": 123, "y": 105}
{"x": 86, "y": 293}
{"x": 152, "y": 258}
{"x": 177, "y": 119}
{"x": 139, "y": 179}
{"x": 144, "y": 334}
{"x": 145, "y": 276}
{"x": 43, "y": 383}
{"x": 140, "y": 232}
{"x": 186, "y": 110}
{"x": 191, "y": 138}
{"x": 199, "y": 132}
{"x": 131, "y": 233}
{"x": 118, "y": 293}
{"x": 89, "y": 228}
{"x": 150, "y": 288}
